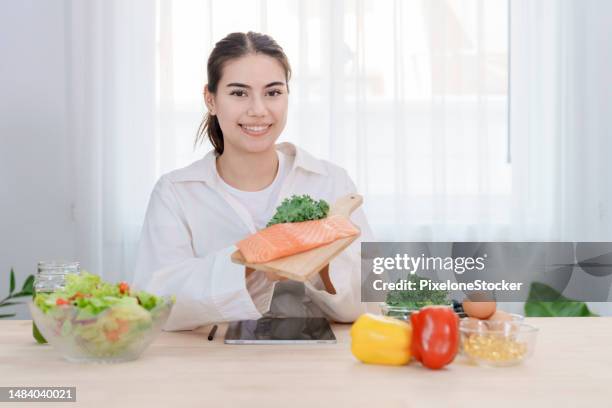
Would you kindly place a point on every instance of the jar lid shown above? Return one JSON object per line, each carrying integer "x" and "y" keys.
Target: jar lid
{"x": 57, "y": 265}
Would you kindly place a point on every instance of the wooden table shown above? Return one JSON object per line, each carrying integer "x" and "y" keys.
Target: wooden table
{"x": 572, "y": 366}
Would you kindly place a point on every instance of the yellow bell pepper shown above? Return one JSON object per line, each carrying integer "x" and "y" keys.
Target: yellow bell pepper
{"x": 381, "y": 340}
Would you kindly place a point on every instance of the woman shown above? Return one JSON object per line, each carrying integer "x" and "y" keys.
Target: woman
{"x": 196, "y": 214}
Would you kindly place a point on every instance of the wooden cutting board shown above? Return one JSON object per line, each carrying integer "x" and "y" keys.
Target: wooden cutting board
{"x": 300, "y": 267}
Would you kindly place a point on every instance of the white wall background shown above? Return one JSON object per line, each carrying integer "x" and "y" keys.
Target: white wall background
{"x": 35, "y": 156}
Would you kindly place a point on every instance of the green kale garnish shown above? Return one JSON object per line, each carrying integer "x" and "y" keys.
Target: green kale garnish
{"x": 298, "y": 209}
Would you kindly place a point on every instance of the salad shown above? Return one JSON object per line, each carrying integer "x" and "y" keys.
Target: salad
{"x": 99, "y": 318}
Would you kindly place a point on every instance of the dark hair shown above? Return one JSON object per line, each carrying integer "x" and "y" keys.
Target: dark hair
{"x": 235, "y": 45}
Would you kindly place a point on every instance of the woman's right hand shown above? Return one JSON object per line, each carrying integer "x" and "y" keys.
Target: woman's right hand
{"x": 271, "y": 276}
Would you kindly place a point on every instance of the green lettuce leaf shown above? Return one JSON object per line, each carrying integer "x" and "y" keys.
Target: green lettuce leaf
{"x": 91, "y": 296}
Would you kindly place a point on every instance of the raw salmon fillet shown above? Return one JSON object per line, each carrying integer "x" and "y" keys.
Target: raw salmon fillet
{"x": 282, "y": 240}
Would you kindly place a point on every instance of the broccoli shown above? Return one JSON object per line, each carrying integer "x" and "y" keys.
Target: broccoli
{"x": 417, "y": 298}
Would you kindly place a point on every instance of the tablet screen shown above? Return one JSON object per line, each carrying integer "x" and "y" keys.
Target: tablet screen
{"x": 271, "y": 330}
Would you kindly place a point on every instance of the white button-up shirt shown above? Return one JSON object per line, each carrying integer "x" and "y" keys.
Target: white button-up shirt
{"x": 189, "y": 233}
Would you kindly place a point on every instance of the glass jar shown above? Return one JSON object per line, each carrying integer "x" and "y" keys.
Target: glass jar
{"x": 51, "y": 276}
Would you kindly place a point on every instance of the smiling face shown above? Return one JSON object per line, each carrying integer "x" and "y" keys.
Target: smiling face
{"x": 250, "y": 103}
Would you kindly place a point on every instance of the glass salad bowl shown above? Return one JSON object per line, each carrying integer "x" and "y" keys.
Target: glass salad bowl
{"x": 119, "y": 333}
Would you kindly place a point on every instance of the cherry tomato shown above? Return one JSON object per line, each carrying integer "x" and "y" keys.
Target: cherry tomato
{"x": 124, "y": 288}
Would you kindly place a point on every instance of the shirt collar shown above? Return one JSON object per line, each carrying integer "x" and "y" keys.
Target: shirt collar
{"x": 204, "y": 169}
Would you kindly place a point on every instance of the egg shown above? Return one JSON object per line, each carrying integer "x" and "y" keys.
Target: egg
{"x": 479, "y": 310}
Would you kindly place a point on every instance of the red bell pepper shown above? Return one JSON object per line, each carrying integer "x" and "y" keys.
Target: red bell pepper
{"x": 435, "y": 336}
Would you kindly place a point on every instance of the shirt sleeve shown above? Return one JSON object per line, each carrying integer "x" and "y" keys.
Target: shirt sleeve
{"x": 208, "y": 289}
{"x": 344, "y": 271}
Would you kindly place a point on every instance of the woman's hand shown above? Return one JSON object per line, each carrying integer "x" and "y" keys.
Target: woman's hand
{"x": 271, "y": 276}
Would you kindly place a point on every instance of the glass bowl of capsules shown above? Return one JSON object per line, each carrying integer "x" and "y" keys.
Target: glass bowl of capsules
{"x": 497, "y": 343}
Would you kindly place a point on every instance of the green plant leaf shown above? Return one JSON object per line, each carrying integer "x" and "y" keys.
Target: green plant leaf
{"x": 544, "y": 301}
{"x": 28, "y": 286}
{"x": 543, "y": 293}
{"x": 7, "y": 315}
{"x": 9, "y": 304}
{"x": 12, "y": 282}
{"x": 20, "y": 294}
